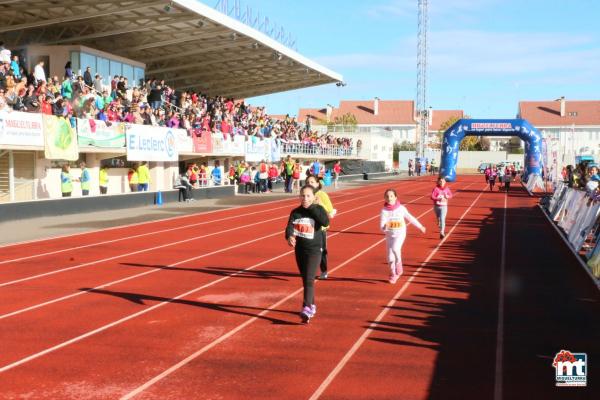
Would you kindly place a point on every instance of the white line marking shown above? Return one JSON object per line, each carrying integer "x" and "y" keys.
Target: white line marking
{"x": 47, "y": 239}
{"x": 8, "y": 283}
{"x": 152, "y": 232}
{"x": 69, "y": 296}
{"x": 209, "y": 346}
{"x": 383, "y": 313}
{"x": 142, "y": 312}
{"x": 498, "y": 382}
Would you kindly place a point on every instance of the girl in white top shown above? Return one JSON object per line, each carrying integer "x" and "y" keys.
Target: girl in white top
{"x": 393, "y": 223}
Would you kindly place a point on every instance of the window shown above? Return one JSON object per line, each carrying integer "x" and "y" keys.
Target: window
{"x": 573, "y": 114}
{"x": 88, "y": 60}
{"x": 116, "y": 68}
{"x": 75, "y": 61}
{"x": 128, "y": 73}
{"x": 139, "y": 74}
{"x": 103, "y": 68}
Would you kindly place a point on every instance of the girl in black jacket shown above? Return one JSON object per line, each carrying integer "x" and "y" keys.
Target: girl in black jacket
{"x": 304, "y": 234}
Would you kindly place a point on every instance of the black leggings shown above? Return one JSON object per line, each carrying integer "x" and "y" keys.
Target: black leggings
{"x": 307, "y": 265}
{"x": 324, "y": 253}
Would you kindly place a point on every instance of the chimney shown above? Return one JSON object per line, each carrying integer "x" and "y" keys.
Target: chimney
{"x": 329, "y": 110}
{"x": 376, "y": 106}
{"x": 563, "y": 106}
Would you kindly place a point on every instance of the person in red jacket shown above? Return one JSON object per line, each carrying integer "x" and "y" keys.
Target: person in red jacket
{"x": 273, "y": 174}
{"x": 440, "y": 196}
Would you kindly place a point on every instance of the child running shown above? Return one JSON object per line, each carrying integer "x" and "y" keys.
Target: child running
{"x": 304, "y": 234}
{"x": 440, "y": 196}
{"x": 323, "y": 200}
{"x": 393, "y": 223}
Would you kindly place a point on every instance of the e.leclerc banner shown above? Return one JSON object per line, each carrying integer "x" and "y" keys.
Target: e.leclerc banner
{"x": 149, "y": 143}
{"x": 92, "y": 132}
{"x": 60, "y": 139}
{"x": 21, "y": 129}
{"x": 202, "y": 141}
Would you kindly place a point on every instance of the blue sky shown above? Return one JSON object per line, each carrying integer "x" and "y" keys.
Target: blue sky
{"x": 484, "y": 55}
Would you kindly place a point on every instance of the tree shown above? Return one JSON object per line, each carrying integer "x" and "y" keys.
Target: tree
{"x": 405, "y": 146}
{"x": 347, "y": 120}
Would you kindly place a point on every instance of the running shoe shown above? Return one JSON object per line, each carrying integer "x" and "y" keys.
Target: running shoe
{"x": 306, "y": 314}
{"x": 399, "y": 269}
{"x": 393, "y": 278}
{"x": 313, "y": 308}
{"x": 324, "y": 275}
{"x": 442, "y": 235}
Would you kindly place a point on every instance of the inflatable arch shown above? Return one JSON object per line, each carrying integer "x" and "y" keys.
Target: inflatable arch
{"x": 491, "y": 127}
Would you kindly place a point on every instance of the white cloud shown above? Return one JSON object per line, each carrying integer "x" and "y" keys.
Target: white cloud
{"x": 451, "y": 9}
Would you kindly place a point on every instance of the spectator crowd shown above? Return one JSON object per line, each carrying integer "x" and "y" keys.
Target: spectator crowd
{"x": 151, "y": 102}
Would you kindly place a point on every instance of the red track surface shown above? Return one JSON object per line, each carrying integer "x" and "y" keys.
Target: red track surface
{"x": 207, "y": 308}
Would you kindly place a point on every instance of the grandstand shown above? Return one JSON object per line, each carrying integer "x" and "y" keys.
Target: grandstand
{"x": 190, "y": 46}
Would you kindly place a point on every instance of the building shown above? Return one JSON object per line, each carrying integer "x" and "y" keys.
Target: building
{"x": 570, "y": 128}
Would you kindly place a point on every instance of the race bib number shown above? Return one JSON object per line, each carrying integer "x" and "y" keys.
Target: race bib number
{"x": 395, "y": 224}
{"x": 304, "y": 228}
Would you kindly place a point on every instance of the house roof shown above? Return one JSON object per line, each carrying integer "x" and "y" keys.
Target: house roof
{"x": 441, "y": 116}
{"x": 390, "y": 112}
{"x": 547, "y": 113}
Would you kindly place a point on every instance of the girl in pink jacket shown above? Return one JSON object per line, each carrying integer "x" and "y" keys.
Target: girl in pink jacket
{"x": 440, "y": 196}
{"x": 393, "y": 223}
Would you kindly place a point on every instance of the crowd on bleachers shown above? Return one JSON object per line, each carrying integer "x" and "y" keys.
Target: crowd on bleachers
{"x": 151, "y": 102}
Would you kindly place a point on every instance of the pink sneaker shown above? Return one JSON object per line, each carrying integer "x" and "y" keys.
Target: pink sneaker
{"x": 393, "y": 278}
{"x": 399, "y": 269}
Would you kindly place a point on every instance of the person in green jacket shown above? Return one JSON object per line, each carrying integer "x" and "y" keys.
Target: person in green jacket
{"x": 143, "y": 174}
{"x": 66, "y": 181}
{"x": 103, "y": 179}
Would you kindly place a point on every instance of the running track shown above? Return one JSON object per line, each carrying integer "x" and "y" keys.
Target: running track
{"x": 205, "y": 307}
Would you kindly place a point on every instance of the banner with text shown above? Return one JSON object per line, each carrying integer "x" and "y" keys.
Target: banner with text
{"x": 92, "y": 132}
{"x": 60, "y": 139}
{"x": 150, "y": 143}
{"x": 21, "y": 129}
{"x": 183, "y": 142}
{"x": 258, "y": 150}
{"x": 202, "y": 141}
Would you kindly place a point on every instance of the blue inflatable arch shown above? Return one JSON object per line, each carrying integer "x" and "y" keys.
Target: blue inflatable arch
{"x": 491, "y": 127}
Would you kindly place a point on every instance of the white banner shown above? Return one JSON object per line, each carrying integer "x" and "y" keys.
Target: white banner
{"x": 258, "y": 150}
{"x": 150, "y": 143}
{"x": 183, "y": 142}
{"x": 96, "y": 133}
{"x": 19, "y": 128}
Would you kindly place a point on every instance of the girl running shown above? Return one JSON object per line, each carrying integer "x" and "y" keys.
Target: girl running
{"x": 393, "y": 223}
{"x": 492, "y": 178}
{"x": 304, "y": 234}
{"x": 324, "y": 201}
{"x": 440, "y": 196}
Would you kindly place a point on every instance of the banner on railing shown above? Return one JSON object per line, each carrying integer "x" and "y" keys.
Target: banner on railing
{"x": 275, "y": 150}
{"x": 258, "y": 150}
{"x": 234, "y": 147}
{"x": 203, "y": 142}
{"x": 60, "y": 139}
{"x": 183, "y": 142}
{"x": 92, "y": 132}
{"x": 150, "y": 143}
{"x": 21, "y": 129}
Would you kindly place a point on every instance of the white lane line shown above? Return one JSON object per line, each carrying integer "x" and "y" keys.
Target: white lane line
{"x": 147, "y": 310}
{"x": 383, "y": 313}
{"x": 8, "y": 283}
{"x": 163, "y": 303}
{"x": 498, "y": 382}
{"x": 154, "y": 270}
{"x": 209, "y": 346}
{"x": 37, "y": 255}
{"x": 232, "y": 332}
{"x": 341, "y": 192}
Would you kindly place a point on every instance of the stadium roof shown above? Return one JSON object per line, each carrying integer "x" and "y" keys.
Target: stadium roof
{"x": 185, "y": 42}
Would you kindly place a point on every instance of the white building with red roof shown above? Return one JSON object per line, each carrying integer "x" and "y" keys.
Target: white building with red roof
{"x": 572, "y": 127}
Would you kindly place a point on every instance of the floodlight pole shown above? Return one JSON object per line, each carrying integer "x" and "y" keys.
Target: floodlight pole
{"x": 421, "y": 116}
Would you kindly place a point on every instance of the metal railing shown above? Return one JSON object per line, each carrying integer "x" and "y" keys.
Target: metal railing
{"x": 309, "y": 149}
